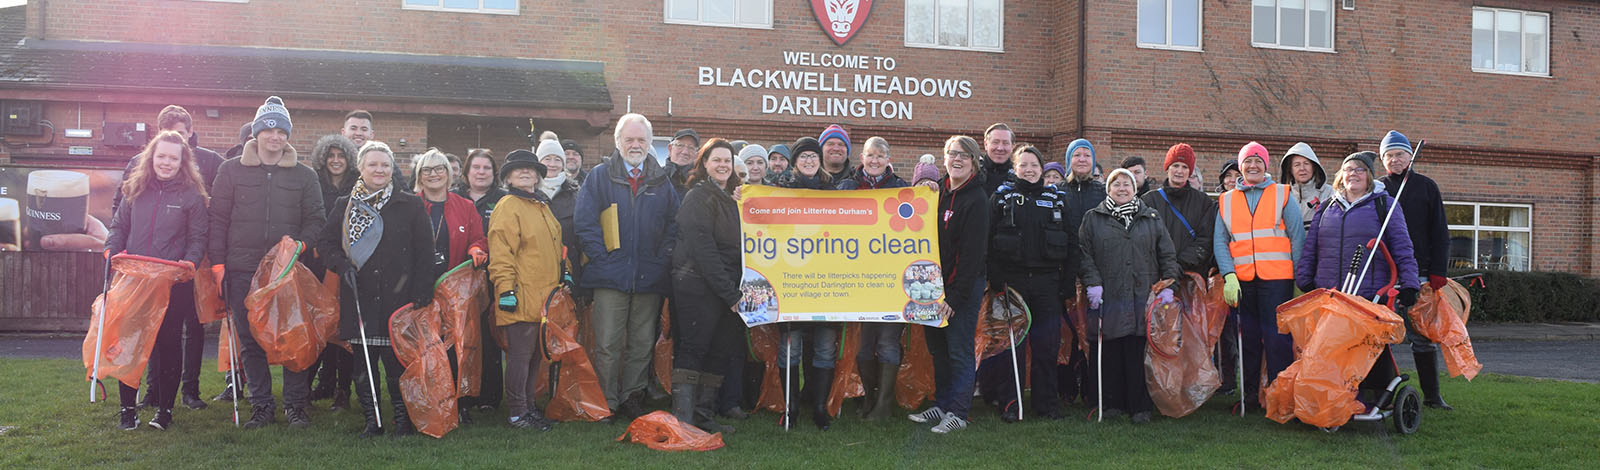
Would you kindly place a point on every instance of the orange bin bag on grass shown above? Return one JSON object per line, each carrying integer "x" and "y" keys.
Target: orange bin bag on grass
{"x": 578, "y": 396}
{"x": 914, "y": 383}
{"x": 661, "y": 431}
{"x": 1178, "y": 368}
{"x": 426, "y": 386}
{"x": 208, "y": 303}
{"x": 1339, "y": 337}
{"x": 462, "y": 294}
{"x": 662, "y": 363}
{"x": 291, "y": 316}
{"x": 846, "y": 375}
{"x": 764, "y": 341}
{"x": 1003, "y": 323}
{"x": 1442, "y": 317}
{"x": 140, "y": 288}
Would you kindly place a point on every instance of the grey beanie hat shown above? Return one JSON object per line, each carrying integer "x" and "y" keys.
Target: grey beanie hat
{"x": 271, "y": 115}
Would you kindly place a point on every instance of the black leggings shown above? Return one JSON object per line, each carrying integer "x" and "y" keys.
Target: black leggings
{"x": 166, "y": 357}
{"x": 705, "y": 331}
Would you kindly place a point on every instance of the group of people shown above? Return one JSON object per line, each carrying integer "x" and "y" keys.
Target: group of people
{"x": 635, "y": 233}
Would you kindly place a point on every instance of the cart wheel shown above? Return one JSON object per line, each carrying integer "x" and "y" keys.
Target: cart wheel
{"x": 1408, "y": 410}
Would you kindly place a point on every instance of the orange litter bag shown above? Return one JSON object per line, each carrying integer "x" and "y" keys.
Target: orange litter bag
{"x": 661, "y": 431}
{"x": 662, "y": 364}
{"x": 846, "y": 375}
{"x": 209, "y": 305}
{"x": 1003, "y": 323}
{"x": 140, "y": 288}
{"x": 1442, "y": 317}
{"x": 914, "y": 382}
{"x": 764, "y": 341}
{"x": 462, "y": 295}
{"x": 1076, "y": 309}
{"x": 291, "y": 316}
{"x": 425, "y": 386}
{"x": 1182, "y": 334}
{"x": 1339, "y": 336}
{"x": 577, "y": 396}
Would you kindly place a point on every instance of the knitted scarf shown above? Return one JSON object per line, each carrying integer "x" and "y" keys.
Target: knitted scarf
{"x": 1125, "y": 211}
{"x": 360, "y": 220}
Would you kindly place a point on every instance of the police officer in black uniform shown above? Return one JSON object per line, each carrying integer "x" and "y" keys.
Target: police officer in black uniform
{"x": 1029, "y": 249}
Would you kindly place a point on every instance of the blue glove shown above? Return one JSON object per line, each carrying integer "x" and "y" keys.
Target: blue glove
{"x": 1096, "y": 294}
{"x": 508, "y": 301}
{"x": 1165, "y": 296}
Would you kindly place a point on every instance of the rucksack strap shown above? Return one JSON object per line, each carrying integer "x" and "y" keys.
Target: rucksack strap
{"x": 1163, "y": 193}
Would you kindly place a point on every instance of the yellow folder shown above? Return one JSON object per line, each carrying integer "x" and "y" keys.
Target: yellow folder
{"x": 608, "y": 227}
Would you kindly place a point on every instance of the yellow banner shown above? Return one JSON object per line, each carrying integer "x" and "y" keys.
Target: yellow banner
{"x": 841, "y": 256}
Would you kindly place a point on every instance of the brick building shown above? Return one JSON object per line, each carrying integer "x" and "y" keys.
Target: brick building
{"x": 1502, "y": 91}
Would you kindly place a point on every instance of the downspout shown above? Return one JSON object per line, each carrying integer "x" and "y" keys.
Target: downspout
{"x": 1083, "y": 54}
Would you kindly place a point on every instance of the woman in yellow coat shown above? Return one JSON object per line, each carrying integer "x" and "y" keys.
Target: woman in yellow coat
{"x": 525, "y": 266}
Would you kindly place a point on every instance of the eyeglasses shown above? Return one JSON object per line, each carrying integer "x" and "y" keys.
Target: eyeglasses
{"x": 435, "y": 170}
{"x": 957, "y": 153}
{"x": 1355, "y": 170}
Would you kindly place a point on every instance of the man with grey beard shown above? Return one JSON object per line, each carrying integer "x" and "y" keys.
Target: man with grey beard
{"x": 630, "y": 201}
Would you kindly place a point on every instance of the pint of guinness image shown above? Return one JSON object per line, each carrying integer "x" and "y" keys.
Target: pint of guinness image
{"x": 57, "y": 201}
{"x": 10, "y": 225}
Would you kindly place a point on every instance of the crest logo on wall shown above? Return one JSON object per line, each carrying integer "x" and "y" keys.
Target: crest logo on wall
{"x": 841, "y": 19}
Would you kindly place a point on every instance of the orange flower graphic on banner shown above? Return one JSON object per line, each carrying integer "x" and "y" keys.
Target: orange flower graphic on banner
{"x": 903, "y": 210}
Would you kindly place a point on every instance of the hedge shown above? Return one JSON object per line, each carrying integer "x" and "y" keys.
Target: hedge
{"x": 1507, "y": 296}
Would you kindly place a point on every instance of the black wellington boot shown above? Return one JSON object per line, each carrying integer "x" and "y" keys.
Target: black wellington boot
{"x": 822, "y": 385}
{"x": 705, "y": 404}
{"x": 1428, "y": 377}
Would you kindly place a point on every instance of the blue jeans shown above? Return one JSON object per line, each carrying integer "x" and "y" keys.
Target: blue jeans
{"x": 954, "y": 361}
{"x": 880, "y": 342}
{"x": 824, "y": 345}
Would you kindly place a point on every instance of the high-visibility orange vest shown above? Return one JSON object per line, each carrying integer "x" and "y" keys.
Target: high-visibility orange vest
{"x": 1258, "y": 240}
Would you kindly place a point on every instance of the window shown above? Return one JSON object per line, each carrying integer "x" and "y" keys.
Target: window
{"x": 1292, "y": 24}
{"x": 955, "y": 24}
{"x": 1510, "y": 41}
{"x": 732, "y": 13}
{"x": 498, "y": 7}
{"x": 1490, "y": 236}
{"x": 1169, "y": 24}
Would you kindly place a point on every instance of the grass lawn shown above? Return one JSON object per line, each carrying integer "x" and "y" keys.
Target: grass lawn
{"x": 1499, "y": 422}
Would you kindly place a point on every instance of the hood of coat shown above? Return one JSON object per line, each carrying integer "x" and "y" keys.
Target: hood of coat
{"x": 1285, "y": 167}
{"x": 252, "y": 156}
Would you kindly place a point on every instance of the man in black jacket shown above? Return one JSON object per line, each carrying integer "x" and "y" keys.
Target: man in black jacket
{"x": 175, "y": 118}
{"x": 681, "y": 153}
{"x": 998, "y": 140}
{"x": 257, "y": 199}
{"x": 1423, "y": 206}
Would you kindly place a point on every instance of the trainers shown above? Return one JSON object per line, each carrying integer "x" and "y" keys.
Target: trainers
{"x": 930, "y": 415}
{"x": 226, "y": 395}
{"x": 163, "y": 419}
{"x": 194, "y": 402}
{"x": 950, "y": 424}
{"x": 297, "y": 417}
{"x": 1009, "y": 413}
{"x": 1142, "y": 417}
{"x": 536, "y": 420}
{"x": 341, "y": 400}
{"x": 463, "y": 417}
{"x": 260, "y": 416}
{"x": 632, "y": 408}
{"x": 130, "y": 418}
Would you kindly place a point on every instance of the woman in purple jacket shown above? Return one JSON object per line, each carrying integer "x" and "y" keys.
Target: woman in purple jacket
{"x": 1351, "y": 219}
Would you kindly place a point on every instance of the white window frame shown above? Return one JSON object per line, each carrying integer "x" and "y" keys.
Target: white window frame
{"x": 1549, "y": 29}
{"x": 1199, "y": 29}
{"x": 406, "y": 5}
{"x": 1477, "y": 226}
{"x": 666, "y": 17}
{"x": 936, "y": 16}
{"x": 1333, "y": 33}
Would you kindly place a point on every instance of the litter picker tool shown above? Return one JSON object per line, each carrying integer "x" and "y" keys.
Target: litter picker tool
{"x": 100, "y": 332}
{"x": 372, "y": 383}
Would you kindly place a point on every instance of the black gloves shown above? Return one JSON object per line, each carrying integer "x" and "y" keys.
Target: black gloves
{"x": 508, "y": 301}
{"x": 1407, "y": 298}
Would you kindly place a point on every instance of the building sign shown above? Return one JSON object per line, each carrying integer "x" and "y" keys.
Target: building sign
{"x": 841, "y": 19}
{"x": 836, "y": 85}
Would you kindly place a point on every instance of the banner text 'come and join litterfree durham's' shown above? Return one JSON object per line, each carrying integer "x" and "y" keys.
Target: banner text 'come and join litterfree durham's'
{"x": 845, "y": 256}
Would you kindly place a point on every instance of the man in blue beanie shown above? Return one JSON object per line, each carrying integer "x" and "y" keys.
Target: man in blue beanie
{"x": 1423, "y": 206}
{"x": 257, "y": 199}
{"x": 836, "y": 153}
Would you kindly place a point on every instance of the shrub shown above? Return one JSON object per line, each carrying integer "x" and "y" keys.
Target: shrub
{"x": 1507, "y": 296}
